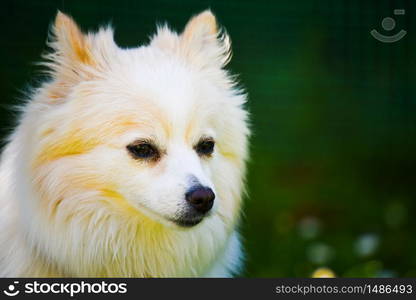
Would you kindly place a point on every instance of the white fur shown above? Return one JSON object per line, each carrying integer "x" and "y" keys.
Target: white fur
{"x": 75, "y": 203}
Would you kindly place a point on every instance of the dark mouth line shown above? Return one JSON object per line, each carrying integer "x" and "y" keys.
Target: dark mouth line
{"x": 187, "y": 222}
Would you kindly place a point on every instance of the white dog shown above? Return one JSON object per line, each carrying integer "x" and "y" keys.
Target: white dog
{"x": 127, "y": 162}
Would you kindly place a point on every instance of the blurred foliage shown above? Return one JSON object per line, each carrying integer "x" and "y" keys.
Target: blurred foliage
{"x": 333, "y": 116}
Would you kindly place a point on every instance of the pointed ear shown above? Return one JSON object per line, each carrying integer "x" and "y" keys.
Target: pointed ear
{"x": 71, "y": 59}
{"x": 201, "y": 28}
{"x": 204, "y": 42}
{"x": 70, "y": 42}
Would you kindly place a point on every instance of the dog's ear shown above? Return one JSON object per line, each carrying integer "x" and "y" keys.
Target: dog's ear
{"x": 204, "y": 43}
{"x": 70, "y": 60}
{"x": 70, "y": 42}
{"x": 75, "y": 56}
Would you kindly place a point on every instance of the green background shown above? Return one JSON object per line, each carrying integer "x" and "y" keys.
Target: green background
{"x": 332, "y": 172}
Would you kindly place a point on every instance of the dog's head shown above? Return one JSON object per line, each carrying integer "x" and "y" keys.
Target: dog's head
{"x": 155, "y": 132}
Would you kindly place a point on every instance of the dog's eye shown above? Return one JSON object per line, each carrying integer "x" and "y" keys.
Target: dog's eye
{"x": 205, "y": 147}
{"x": 143, "y": 150}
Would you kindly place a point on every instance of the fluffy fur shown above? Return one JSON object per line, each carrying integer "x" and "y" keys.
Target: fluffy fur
{"x": 75, "y": 203}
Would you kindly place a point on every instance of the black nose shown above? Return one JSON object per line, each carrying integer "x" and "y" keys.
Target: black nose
{"x": 200, "y": 198}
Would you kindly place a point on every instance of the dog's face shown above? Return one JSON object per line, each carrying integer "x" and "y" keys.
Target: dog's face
{"x": 156, "y": 131}
{"x": 159, "y": 143}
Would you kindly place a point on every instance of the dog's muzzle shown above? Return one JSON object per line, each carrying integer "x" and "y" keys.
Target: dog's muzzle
{"x": 199, "y": 200}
